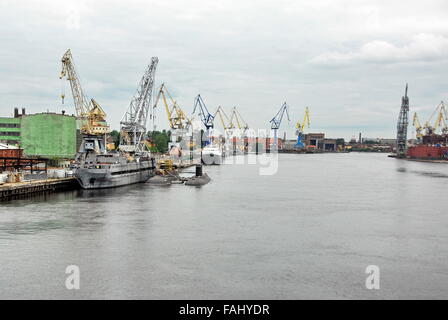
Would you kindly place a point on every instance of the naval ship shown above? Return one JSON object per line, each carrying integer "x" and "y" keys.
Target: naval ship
{"x": 97, "y": 169}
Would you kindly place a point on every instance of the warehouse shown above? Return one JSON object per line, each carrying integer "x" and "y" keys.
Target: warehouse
{"x": 48, "y": 135}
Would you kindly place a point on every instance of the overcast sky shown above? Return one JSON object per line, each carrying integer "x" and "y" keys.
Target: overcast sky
{"x": 348, "y": 60}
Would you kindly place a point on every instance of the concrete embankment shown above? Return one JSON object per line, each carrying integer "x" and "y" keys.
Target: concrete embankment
{"x": 13, "y": 190}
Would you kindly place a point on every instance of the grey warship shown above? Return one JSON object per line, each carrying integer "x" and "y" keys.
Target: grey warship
{"x": 113, "y": 169}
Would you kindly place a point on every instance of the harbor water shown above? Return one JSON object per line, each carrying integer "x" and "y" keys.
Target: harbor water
{"x": 308, "y": 231}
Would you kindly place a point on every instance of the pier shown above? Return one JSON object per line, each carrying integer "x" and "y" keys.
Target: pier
{"x": 12, "y": 190}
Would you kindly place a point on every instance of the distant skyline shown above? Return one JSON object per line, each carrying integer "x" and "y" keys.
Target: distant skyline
{"x": 347, "y": 60}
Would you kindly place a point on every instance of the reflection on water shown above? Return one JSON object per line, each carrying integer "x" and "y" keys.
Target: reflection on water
{"x": 309, "y": 231}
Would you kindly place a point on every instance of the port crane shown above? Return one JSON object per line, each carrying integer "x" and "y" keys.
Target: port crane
{"x": 418, "y": 127}
{"x": 176, "y": 117}
{"x": 206, "y": 117}
{"x": 133, "y": 123}
{"x": 300, "y": 126}
{"x": 276, "y": 122}
{"x": 402, "y": 125}
{"x": 227, "y": 125}
{"x": 440, "y": 122}
{"x": 89, "y": 112}
{"x": 177, "y": 120}
{"x": 241, "y": 124}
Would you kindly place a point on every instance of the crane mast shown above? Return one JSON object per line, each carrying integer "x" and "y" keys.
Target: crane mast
{"x": 133, "y": 123}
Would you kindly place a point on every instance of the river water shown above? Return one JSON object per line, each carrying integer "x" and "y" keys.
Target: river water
{"x": 309, "y": 230}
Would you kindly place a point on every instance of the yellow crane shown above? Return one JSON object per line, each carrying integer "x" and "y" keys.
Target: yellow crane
{"x": 176, "y": 117}
{"x": 241, "y": 124}
{"x": 300, "y": 126}
{"x": 440, "y": 122}
{"x": 418, "y": 127}
{"x": 92, "y": 116}
{"x": 224, "y": 119}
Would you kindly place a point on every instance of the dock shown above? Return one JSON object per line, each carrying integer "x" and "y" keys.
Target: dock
{"x": 12, "y": 190}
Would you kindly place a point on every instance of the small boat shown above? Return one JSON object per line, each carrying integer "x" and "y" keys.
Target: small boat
{"x": 212, "y": 155}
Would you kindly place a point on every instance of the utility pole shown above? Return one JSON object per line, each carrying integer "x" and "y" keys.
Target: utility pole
{"x": 402, "y": 126}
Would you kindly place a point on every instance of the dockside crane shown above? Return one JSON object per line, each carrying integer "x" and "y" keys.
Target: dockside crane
{"x": 241, "y": 124}
{"x": 277, "y": 121}
{"x": 206, "y": 117}
{"x": 418, "y": 127}
{"x": 133, "y": 123}
{"x": 227, "y": 125}
{"x": 178, "y": 122}
{"x": 300, "y": 126}
{"x": 92, "y": 116}
{"x": 176, "y": 117}
{"x": 440, "y": 121}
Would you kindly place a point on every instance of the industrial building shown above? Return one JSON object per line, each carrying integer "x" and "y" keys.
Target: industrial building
{"x": 47, "y": 135}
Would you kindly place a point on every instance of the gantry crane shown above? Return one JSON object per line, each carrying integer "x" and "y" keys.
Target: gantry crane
{"x": 418, "y": 127}
{"x": 301, "y": 127}
{"x": 276, "y": 122}
{"x": 133, "y": 123}
{"x": 89, "y": 112}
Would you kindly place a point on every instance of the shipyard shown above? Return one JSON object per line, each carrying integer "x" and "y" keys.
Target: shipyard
{"x": 204, "y": 152}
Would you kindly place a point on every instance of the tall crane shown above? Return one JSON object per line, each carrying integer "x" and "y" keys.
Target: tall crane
{"x": 440, "y": 122}
{"x": 241, "y": 124}
{"x": 90, "y": 113}
{"x": 206, "y": 117}
{"x": 277, "y": 121}
{"x": 227, "y": 125}
{"x": 418, "y": 127}
{"x": 133, "y": 123}
{"x": 301, "y": 127}
{"x": 176, "y": 117}
{"x": 402, "y": 125}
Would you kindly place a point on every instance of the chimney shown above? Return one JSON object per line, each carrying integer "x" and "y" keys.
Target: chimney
{"x": 360, "y": 140}
{"x": 16, "y": 112}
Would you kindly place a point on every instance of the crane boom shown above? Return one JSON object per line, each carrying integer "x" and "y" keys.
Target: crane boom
{"x": 222, "y": 115}
{"x": 206, "y": 117}
{"x": 239, "y": 120}
{"x": 418, "y": 127}
{"x": 277, "y": 120}
{"x": 90, "y": 112}
{"x": 176, "y": 117}
{"x": 136, "y": 116}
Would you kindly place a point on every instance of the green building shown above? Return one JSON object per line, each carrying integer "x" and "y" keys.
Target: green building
{"x": 10, "y": 130}
{"x": 46, "y": 135}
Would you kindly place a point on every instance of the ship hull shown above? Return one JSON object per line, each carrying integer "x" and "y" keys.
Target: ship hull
{"x": 114, "y": 176}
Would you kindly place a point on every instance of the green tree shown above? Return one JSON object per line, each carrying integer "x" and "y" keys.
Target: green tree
{"x": 160, "y": 140}
{"x": 115, "y": 137}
